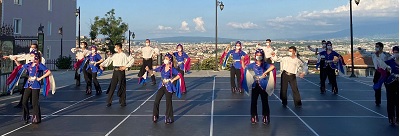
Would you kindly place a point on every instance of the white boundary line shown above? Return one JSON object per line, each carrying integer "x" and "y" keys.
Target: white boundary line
{"x": 212, "y": 111}
{"x": 219, "y": 100}
{"x": 361, "y": 82}
{"x": 201, "y": 115}
{"x": 351, "y": 101}
{"x": 312, "y": 130}
{"x": 109, "y": 132}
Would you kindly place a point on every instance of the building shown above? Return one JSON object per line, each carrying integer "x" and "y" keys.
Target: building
{"x": 363, "y": 65}
{"x": 26, "y": 16}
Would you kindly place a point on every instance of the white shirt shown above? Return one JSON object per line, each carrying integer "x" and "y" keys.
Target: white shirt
{"x": 147, "y": 52}
{"x": 80, "y": 53}
{"x": 267, "y": 51}
{"x": 119, "y": 60}
{"x": 292, "y": 65}
{"x": 26, "y": 57}
{"x": 379, "y": 62}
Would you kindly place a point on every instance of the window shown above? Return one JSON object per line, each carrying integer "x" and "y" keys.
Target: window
{"x": 50, "y": 5}
{"x": 49, "y": 29}
{"x": 18, "y": 2}
{"x": 17, "y": 25}
{"x": 48, "y": 52}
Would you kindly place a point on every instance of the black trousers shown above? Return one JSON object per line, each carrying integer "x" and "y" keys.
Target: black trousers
{"x": 255, "y": 92}
{"x": 268, "y": 60}
{"x": 235, "y": 72}
{"x": 36, "y": 115}
{"x": 94, "y": 80}
{"x": 148, "y": 63}
{"x": 330, "y": 73}
{"x": 392, "y": 96}
{"x": 86, "y": 76}
{"x": 118, "y": 77}
{"x": 169, "y": 113}
{"x": 22, "y": 91}
{"x": 378, "y": 92}
{"x": 289, "y": 79}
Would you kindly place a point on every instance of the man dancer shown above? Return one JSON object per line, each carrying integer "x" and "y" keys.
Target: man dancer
{"x": 381, "y": 71}
{"x": 392, "y": 87}
{"x": 268, "y": 52}
{"x": 80, "y": 60}
{"x": 147, "y": 55}
{"x": 28, "y": 58}
{"x": 291, "y": 66}
{"x": 121, "y": 62}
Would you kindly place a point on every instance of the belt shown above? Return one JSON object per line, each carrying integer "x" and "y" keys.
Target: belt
{"x": 116, "y": 67}
{"x": 92, "y": 62}
{"x": 165, "y": 80}
{"x": 146, "y": 58}
{"x": 236, "y": 60}
{"x": 180, "y": 62}
{"x": 287, "y": 73}
{"x": 258, "y": 78}
{"x": 32, "y": 78}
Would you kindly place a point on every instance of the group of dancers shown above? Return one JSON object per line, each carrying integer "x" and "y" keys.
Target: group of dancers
{"x": 259, "y": 76}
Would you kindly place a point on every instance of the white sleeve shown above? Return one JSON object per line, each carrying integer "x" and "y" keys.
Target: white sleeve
{"x": 20, "y": 57}
{"x": 131, "y": 60}
{"x": 107, "y": 62}
{"x": 73, "y": 50}
{"x": 375, "y": 61}
{"x": 43, "y": 61}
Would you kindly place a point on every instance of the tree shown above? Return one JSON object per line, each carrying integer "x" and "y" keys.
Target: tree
{"x": 109, "y": 26}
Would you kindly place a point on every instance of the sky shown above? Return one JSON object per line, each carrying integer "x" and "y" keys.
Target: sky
{"x": 240, "y": 19}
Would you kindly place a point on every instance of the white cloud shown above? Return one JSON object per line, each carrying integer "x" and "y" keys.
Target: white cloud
{"x": 184, "y": 27}
{"x": 247, "y": 25}
{"x": 336, "y": 19}
{"x": 160, "y": 27}
{"x": 199, "y": 24}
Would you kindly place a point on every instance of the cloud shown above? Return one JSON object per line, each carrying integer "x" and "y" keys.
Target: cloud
{"x": 160, "y": 27}
{"x": 184, "y": 27}
{"x": 336, "y": 18}
{"x": 247, "y": 25}
{"x": 198, "y": 21}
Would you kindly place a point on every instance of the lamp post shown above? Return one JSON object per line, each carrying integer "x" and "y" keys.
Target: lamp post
{"x": 60, "y": 31}
{"x": 351, "y": 37}
{"x": 78, "y": 14}
{"x": 221, "y": 6}
{"x": 129, "y": 40}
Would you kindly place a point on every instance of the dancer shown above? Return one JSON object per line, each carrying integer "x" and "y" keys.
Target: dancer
{"x": 259, "y": 85}
{"x": 381, "y": 70}
{"x": 93, "y": 69}
{"x": 147, "y": 55}
{"x": 236, "y": 69}
{"x": 392, "y": 87}
{"x": 168, "y": 75}
{"x": 291, "y": 66}
{"x": 27, "y": 58}
{"x": 81, "y": 64}
{"x": 121, "y": 62}
{"x": 183, "y": 61}
{"x": 36, "y": 72}
{"x": 329, "y": 62}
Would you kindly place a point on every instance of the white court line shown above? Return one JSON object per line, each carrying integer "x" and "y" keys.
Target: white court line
{"x": 212, "y": 110}
{"x": 219, "y": 100}
{"x": 352, "y": 101}
{"x": 309, "y": 127}
{"x": 47, "y": 116}
{"x": 201, "y": 115}
{"x": 361, "y": 82}
{"x": 15, "y": 96}
{"x": 129, "y": 115}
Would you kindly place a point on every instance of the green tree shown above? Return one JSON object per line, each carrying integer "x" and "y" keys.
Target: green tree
{"x": 110, "y": 26}
{"x": 208, "y": 64}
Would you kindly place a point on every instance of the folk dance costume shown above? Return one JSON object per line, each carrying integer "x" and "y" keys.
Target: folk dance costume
{"x": 147, "y": 54}
{"x": 27, "y": 58}
{"x": 36, "y": 72}
{"x": 317, "y": 51}
{"x": 81, "y": 63}
{"x": 259, "y": 85}
{"x": 168, "y": 75}
{"x": 291, "y": 66}
{"x": 392, "y": 88}
{"x": 236, "y": 69}
{"x": 94, "y": 70}
{"x": 121, "y": 62}
{"x": 183, "y": 61}
{"x": 329, "y": 62}
{"x": 381, "y": 71}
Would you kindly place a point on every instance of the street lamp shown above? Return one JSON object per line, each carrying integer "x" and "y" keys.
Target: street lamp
{"x": 60, "y": 31}
{"x": 129, "y": 40}
{"x": 351, "y": 37}
{"x": 221, "y": 6}
{"x": 78, "y": 14}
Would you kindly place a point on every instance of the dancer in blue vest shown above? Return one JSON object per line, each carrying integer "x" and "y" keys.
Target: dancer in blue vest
{"x": 93, "y": 69}
{"x": 259, "y": 85}
{"x": 329, "y": 62}
{"x": 392, "y": 87}
{"x": 183, "y": 61}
